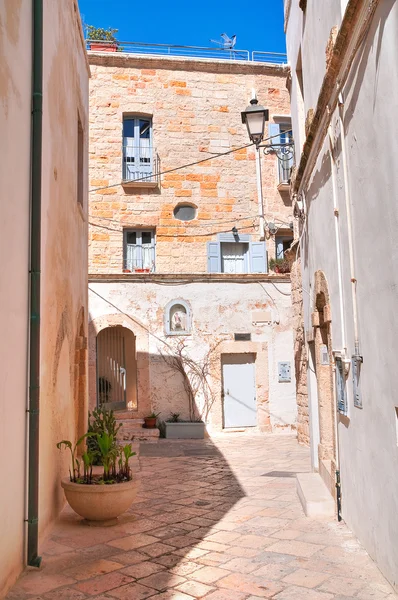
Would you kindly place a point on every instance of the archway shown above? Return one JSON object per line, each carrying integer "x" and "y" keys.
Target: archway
{"x": 116, "y": 369}
{"x": 321, "y": 320}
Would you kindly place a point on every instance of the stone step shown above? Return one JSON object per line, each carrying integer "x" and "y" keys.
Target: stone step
{"x": 314, "y": 496}
{"x": 135, "y": 431}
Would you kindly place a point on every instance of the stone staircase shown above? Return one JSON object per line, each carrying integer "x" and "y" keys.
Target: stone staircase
{"x": 133, "y": 428}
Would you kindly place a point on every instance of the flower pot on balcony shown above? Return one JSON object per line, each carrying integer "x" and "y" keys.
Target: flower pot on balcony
{"x": 103, "y": 47}
{"x": 126, "y": 271}
{"x": 139, "y": 270}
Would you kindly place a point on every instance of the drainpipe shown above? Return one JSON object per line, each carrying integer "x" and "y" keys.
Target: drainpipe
{"x": 260, "y": 194}
{"x": 342, "y": 313}
{"x": 349, "y": 229}
{"x": 34, "y": 310}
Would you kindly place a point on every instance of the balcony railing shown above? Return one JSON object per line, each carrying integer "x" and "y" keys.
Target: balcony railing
{"x": 139, "y": 259}
{"x": 141, "y": 164}
{"x": 198, "y": 52}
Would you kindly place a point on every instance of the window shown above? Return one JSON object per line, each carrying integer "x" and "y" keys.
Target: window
{"x": 282, "y": 243}
{"x": 234, "y": 254}
{"x": 80, "y": 162}
{"x": 178, "y": 318}
{"x": 184, "y": 212}
{"x": 281, "y": 133}
{"x": 234, "y": 257}
{"x": 137, "y": 149}
{"x": 139, "y": 251}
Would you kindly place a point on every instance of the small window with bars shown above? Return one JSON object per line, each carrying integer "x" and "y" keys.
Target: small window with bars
{"x": 139, "y": 251}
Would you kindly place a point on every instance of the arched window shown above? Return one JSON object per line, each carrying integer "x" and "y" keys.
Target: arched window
{"x": 178, "y": 318}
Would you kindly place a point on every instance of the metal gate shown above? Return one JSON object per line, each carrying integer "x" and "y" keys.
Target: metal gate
{"x": 111, "y": 368}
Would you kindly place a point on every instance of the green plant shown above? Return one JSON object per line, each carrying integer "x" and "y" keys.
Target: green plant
{"x": 114, "y": 460}
{"x": 279, "y": 265}
{"x": 74, "y": 473}
{"x": 153, "y": 415}
{"x": 100, "y": 421}
{"x": 99, "y": 33}
{"x": 174, "y": 417}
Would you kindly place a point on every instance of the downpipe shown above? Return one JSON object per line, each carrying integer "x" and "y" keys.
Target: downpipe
{"x": 33, "y": 559}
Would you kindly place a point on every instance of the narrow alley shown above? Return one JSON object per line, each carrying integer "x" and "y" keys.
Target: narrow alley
{"x": 217, "y": 519}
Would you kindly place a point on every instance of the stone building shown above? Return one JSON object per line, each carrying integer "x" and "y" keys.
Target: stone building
{"x": 43, "y": 278}
{"x": 179, "y": 288}
{"x": 344, "y": 101}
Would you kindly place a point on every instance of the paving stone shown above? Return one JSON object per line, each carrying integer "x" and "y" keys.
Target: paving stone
{"x": 103, "y": 583}
{"x": 305, "y": 578}
{"x": 162, "y": 581}
{"x": 209, "y": 527}
{"x": 195, "y": 589}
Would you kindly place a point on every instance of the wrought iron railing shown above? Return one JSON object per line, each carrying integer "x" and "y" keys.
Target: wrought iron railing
{"x": 200, "y": 52}
{"x": 139, "y": 259}
{"x": 141, "y": 164}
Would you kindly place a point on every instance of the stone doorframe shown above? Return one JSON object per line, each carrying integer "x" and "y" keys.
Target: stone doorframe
{"x": 260, "y": 351}
{"x": 321, "y": 322}
{"x": 142, "y": 357}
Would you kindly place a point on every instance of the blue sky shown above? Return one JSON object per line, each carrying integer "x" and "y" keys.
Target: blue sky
{"x": 258, "y": 25}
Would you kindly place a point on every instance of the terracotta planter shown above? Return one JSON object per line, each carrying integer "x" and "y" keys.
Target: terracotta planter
{"x": 100, "y": 502}
{"x": 99, "y": 47}
{"x": 150, "y": 422}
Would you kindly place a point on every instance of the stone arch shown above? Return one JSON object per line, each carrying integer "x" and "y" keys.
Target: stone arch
{"x": 141, "y": 336}
{"x": 321, "y": 321}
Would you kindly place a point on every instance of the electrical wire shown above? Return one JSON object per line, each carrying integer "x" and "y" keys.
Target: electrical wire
{"x": 192, "y": 164}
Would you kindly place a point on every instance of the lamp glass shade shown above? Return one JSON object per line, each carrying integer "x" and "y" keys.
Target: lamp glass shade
{"x": 255, "y": 122}
{"x": 255, "y": 116}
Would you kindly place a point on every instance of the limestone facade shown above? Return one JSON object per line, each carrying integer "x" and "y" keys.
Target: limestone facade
{"x": 194, "y": 107}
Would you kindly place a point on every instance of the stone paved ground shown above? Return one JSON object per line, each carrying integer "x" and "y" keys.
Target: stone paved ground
{"x": 218, "y": 520}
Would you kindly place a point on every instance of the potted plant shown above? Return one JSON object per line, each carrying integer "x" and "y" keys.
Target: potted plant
{"x": 102, "y": 40}
{"x": 100, "y": 421}
{"x": 150, "y": 420}
{"x": 279, "y": 265}
{"x": 176, "y": 428}
{"x": 100, "y": 498}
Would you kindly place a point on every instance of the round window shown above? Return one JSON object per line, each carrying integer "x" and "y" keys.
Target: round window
{"x": 184, "y": 212}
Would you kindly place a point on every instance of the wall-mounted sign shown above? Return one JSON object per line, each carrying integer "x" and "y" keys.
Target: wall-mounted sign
{"x": 242, "y": 337}
{"x": 340, "y": 386}
{"x": 284, "y": 371}
{"x": 324, "y": 354}
{"x": 356, "y": 362}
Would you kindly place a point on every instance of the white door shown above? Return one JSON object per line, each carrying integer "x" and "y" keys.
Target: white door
{"x": 239, "y": 390}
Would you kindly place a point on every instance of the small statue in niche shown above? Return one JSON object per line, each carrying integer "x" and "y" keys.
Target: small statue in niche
{"x": 178, "y": 318}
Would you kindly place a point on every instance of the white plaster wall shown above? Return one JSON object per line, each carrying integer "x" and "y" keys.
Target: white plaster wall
{"x": 219, "y": 310}
{"x": 15, "y": 116}
{"x": 367, "y": 437}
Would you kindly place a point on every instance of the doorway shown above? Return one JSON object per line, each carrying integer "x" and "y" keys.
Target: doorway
{"x": 239, "y": 390}
{"x": 116, "y": 369}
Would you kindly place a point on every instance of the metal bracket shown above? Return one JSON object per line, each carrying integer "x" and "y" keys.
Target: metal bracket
{"x": 32, "y": 521}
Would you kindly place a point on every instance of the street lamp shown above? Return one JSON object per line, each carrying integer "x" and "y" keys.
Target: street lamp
{"x": 254, "y": 117}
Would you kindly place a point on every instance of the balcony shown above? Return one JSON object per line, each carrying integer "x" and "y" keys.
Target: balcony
{"x": 139, "y": 259}
{"x": 141, "y": 167}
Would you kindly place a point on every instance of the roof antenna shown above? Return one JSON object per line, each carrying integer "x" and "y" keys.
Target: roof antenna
{"x": 226, "y": 43}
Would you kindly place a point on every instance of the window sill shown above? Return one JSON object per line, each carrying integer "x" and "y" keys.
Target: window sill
{"x": 284, "y": 186}
{"x": 140, "y": 184}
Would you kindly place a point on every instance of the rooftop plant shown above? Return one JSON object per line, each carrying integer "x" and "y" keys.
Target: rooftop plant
{"x": 99, "y": 33}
